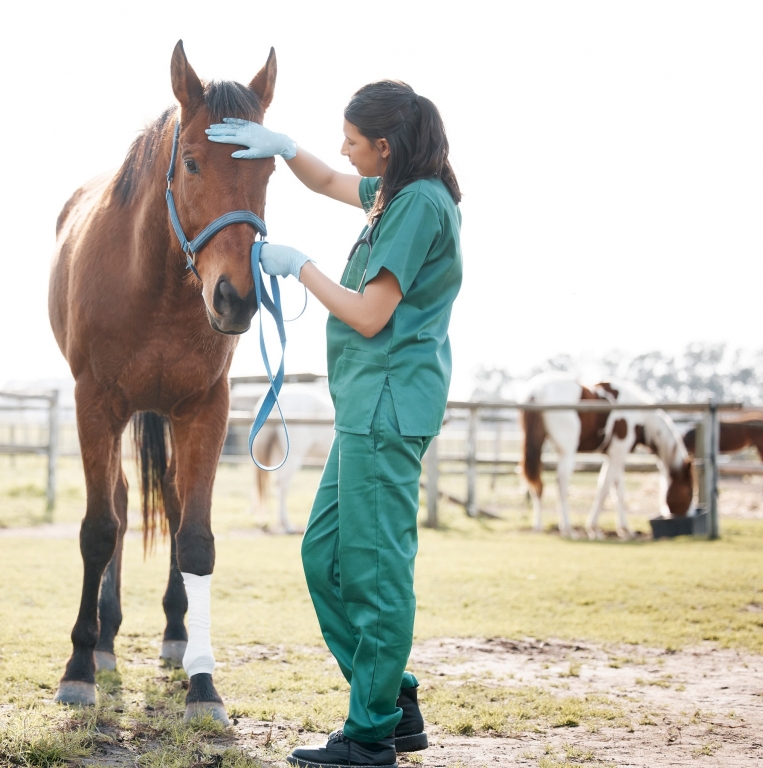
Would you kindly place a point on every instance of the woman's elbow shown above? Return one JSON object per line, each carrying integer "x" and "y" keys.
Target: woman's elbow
{"x": 369, "y": 327}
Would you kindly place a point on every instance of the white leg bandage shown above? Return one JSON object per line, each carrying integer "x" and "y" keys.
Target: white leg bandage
{"x": 198, "y": 654}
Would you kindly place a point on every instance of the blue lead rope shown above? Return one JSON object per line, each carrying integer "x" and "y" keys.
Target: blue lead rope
{"x": 271, "y": 398}
{"x": 192, "y": 247}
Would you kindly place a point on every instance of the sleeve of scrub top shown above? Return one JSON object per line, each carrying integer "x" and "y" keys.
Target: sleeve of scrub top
{"x": 407, "y": 231}
{"x": 369, "y": 186}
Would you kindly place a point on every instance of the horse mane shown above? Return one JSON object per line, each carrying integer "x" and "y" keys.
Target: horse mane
{"x": 221, "y": 99}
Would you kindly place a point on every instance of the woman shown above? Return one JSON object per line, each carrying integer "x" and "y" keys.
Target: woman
{"x": 389, "y": 367}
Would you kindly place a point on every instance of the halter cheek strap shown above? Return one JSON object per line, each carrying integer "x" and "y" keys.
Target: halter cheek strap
{"x": 192, "y": 247}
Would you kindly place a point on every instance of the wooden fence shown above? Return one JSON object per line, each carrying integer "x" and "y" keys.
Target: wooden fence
{"x": 476, "y": 412}
{"x": 45, "y": 401}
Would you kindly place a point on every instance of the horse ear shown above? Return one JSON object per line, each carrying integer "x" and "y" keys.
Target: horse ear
{"x": 264, "y": 82}
{"x": 186, "y": 85}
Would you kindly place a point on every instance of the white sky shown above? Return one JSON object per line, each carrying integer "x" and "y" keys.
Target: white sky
{"x": 610, "y": 154}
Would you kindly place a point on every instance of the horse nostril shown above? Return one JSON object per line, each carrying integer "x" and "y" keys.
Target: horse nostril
{"x": 225, "y": 298}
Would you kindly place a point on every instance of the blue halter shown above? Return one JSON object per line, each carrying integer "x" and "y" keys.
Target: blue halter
{"x": 192, "y": 247}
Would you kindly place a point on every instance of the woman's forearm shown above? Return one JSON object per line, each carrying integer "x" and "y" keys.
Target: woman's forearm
{"x": 321, "y": 178}
{"x": 368, "y": 312}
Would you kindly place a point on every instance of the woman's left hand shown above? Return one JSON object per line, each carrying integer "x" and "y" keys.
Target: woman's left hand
{"x": 282, "y": 260}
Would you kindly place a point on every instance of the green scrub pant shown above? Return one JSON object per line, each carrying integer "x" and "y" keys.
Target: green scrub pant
{"x": 358, "y": 553}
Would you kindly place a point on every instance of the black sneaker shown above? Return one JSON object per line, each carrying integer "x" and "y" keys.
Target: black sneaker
{"x": 409, "y": 734}
{"x": 341, "y": 751}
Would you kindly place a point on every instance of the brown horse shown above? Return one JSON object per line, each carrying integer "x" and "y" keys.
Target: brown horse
{"x": 734, "y": 436}
{"x": 143, "y": 336}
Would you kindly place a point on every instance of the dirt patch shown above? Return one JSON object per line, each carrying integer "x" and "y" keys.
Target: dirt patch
{"x": 678, "y": 708}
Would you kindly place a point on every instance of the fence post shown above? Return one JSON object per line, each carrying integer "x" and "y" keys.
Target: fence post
{"x": 471, "y": 463}
{"x": 700, "y": 461}
{"x": 433, "y": 471}
{"x": 713, "y": 441}
{"x": 52, "y": 453}
{"x": 13, "y": 442}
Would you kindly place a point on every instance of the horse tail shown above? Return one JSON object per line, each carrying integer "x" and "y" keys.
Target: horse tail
{"x": 534, "y": 433}
{"x": 150, "y": 440}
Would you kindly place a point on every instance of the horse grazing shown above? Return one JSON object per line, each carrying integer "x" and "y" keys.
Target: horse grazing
{"x": 734, "y": 436}
{"x": 144, "y": 336}
{"x": 297, "y": 401}
{"x": 614, "y": 433}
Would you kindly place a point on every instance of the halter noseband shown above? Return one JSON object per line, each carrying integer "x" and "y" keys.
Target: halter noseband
{"x": 192, "y": 247}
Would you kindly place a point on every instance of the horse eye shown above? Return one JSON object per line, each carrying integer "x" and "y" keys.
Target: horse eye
{"x": 191, "y": 167}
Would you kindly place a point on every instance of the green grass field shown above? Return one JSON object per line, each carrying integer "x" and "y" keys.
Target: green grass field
{"x": 475, "y": 578}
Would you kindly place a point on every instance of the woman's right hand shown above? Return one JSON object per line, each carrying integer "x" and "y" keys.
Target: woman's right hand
{"x": 260, "y": 141}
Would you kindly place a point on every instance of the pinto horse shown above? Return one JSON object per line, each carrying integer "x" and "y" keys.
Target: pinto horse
{"x": 614, "y": 433}
{"x": 144, "y": 336}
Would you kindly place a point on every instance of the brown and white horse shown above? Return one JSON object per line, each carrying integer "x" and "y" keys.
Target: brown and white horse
{"x": 142, "y": 335}
{"x": 614, "y": 433}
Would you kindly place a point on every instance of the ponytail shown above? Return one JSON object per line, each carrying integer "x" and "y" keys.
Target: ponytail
{"x": 414, "y": 130}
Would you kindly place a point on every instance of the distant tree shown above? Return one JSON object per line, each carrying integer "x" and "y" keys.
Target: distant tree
{"x": 700, "y": 372}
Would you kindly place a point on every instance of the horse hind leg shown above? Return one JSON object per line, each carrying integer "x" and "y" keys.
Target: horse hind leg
{"x": 99, "y": 445}
{"x": 110, "y": 602}
{"x": 174, "y": 602}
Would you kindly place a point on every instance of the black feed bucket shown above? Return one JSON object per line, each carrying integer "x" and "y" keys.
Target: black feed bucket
{"x": 669, "y": 527}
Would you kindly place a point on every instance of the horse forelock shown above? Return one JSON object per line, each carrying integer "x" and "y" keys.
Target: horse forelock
{"x": 226, "y": 98}
{"x": 221, "y": 99}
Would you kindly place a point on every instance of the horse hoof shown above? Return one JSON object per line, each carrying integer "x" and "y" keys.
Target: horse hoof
{"x": 104, "y": 661}
{"x": 75, "y": 692}
{"x": 173, "y": 651}
{"x": 201, "y": 708}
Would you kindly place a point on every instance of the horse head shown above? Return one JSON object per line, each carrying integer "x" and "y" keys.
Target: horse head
{"x": 677, "y": 477}
{"x": 208, "y": 183}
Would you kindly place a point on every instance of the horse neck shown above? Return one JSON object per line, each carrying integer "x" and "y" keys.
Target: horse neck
{"x": 664, "y": 440}
{"x": 158, "y": 259}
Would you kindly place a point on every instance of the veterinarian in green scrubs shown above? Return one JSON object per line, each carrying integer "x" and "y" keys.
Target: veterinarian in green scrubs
{"x": 389, "y": 368}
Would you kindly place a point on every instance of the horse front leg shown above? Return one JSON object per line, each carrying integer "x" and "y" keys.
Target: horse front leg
{"x": 99, "y": 433}
{"x": 624, "y": 531}
{"x": 198, "y": 434}
{"x": 110, "y": 602}
{"x": 606, "y": 473}
{"x": 564, "y": 470}
{"x": 174, "y": 602}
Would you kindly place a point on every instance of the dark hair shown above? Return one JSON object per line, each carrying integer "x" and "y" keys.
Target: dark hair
{"x": 413, "y": 127}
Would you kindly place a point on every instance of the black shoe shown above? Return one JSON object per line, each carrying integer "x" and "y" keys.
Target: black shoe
{"x": 409, "y": 734}
{"x": 343, "y": 751}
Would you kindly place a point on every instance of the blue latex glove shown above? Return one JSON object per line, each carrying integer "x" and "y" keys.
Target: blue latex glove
{"x": 261, "y": 141}
{"x": 282, "y": 260}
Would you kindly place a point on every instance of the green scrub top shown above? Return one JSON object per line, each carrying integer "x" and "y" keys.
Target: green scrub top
{"x": 418, "y": 240}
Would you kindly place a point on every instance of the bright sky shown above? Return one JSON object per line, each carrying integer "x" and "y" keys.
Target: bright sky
{"x": 610, "y": 154}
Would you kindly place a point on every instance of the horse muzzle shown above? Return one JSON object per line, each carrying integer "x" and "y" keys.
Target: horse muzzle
{"x": 230, "y": 312}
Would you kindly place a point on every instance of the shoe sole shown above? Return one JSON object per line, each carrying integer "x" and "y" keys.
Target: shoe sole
{"x": 291, "y": 760}
{"x": 415, "y": 742}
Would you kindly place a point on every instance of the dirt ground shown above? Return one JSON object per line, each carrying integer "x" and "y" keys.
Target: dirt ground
{"x": 699, "y": 705}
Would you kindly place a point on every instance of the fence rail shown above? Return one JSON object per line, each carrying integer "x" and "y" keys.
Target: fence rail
{"x": 494, "y": 412}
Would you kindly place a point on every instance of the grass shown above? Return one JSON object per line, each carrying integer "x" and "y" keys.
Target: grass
{"x": 480, "y": 578}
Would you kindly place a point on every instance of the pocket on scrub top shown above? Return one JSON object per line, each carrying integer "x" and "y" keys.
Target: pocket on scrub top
{"x": 360, "y": 381}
